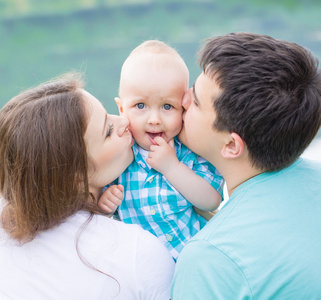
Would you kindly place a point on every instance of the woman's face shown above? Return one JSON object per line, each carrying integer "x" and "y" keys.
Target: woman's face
{"x": 108, "y": 142}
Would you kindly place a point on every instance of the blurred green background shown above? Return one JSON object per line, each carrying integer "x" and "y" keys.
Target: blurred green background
{"x": 40, "y": 39}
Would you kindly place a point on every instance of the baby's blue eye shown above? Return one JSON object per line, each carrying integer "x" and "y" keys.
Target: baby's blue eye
{"x": 167, "y": 106}
{"x": 140, "y": 105}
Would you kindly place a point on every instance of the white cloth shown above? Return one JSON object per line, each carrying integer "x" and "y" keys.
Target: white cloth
{"x": 50, "y": 268}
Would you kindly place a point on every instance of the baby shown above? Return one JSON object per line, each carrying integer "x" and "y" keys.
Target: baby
{"x": 166, "y": 179}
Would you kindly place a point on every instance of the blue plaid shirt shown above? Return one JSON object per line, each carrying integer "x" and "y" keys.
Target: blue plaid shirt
{"x": 152, "y": 202}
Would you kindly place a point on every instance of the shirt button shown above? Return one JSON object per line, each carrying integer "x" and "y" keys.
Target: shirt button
{"x": 150, "y": 180}
{"x": 169, "y": 237}
{"x": 152, "y": 211}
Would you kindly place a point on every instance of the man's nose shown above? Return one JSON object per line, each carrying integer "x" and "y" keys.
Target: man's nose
{"x": 186, "y": 102}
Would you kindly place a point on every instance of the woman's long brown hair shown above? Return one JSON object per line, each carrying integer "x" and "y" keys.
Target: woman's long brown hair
{"x": 43, "y": 160}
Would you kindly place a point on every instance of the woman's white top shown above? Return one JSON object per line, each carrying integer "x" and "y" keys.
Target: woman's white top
{"x": 49, "y": 267}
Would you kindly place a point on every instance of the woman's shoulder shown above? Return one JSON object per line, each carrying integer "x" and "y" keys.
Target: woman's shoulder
{"x": 144, "y": 246}
{"x": 103, "y": 226}
{"x": 117, "y": 232}
{"x": 133, "y": 253}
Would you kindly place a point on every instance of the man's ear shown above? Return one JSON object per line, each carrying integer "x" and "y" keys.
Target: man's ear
{"x": 234, "y": 146}
{"x": 120, "y": 107}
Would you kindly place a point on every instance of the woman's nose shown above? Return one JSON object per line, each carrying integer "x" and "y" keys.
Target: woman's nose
{"x": 123, "y": 125}
{"x": 186, "y": 102}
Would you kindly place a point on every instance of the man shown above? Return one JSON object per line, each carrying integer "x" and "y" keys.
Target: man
{"x": 251, "y": 113}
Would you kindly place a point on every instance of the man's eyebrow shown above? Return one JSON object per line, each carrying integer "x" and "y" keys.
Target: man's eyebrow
{"x": 194, "y": 93}
{"x": 105, "y": 123}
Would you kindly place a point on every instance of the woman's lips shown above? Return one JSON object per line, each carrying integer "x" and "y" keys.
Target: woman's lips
{"x": 132, "y": 142}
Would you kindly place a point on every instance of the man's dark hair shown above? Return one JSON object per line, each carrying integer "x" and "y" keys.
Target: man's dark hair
{"x": 270, "y": 95}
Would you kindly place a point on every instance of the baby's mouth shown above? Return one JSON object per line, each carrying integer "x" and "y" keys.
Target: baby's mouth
{"x": 152, "y": 135}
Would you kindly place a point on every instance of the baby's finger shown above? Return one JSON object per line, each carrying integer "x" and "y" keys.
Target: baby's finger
{"x": 117, "y": 193}
{"x": 153, "y": 148}
{"x": 108, "y": 192}
{"x": 159, "y": 140}
{"x": 114, "y": 201}
{"x": 149, "y": 160}
{"x": 151, "y": 154}
{"x": 171, "y": 143}
{"x": 120, "y": 187}
{"x": 105, "y": 206}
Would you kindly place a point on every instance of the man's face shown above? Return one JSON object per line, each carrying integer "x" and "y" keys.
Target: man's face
{"x": 198, "y": 133}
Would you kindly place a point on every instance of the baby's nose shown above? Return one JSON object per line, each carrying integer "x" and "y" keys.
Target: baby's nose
{"x": 154, "y": 118}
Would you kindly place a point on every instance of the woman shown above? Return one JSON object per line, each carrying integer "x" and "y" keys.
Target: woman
{"x": 59, "y": 147}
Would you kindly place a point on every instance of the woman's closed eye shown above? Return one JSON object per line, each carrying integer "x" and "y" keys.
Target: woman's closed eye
{"x": 140, "y": 105}
{"x": 109, "y": 130}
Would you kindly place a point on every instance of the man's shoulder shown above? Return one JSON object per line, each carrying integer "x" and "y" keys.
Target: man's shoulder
{"x": 310, "y": 165}
{"x": 209, "y": 234}
{"x": 303, "y": 172}
{"x": 303, "y": 165}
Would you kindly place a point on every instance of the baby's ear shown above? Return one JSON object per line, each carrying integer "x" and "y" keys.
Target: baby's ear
{"x": 120, "y": 107}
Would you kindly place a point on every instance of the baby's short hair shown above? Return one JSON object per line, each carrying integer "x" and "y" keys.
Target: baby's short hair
{"x": 154, "y": 46}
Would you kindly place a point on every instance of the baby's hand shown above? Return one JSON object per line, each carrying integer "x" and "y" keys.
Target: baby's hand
{"x": 162, "y": 157}
{"x": 111, "y": 198}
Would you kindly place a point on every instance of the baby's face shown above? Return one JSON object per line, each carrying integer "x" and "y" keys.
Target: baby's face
{"x": 152, "y": 101}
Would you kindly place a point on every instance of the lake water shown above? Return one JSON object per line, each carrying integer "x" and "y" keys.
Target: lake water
{"x": 38, "y": 42}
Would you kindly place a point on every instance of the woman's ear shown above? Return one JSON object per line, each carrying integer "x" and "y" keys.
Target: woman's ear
{"x": 120, "y": 107}
{"x": 234, "y": 147}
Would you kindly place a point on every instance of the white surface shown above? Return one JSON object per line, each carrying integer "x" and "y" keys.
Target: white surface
{"x": 49, "y": 267}
{"x": 312, "y": 152}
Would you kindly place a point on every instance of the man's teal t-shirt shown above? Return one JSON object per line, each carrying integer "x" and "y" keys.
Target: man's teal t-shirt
{"x": 265, "y": 243}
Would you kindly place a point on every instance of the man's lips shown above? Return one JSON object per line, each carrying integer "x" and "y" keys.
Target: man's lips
{"x": 152, "y": 135}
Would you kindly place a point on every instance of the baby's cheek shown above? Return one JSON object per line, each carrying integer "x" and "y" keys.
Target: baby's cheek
{"x": 179, "y": 124}
{"x": 137, "y": 134}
